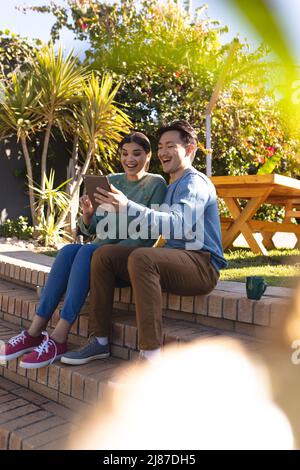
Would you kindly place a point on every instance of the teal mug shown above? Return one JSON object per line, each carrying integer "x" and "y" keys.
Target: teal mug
{"x": 255, "y": 287}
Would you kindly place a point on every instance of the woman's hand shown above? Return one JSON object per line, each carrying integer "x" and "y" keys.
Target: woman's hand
{"x": 87, "y": 209}
{"x": 111, "y": 201}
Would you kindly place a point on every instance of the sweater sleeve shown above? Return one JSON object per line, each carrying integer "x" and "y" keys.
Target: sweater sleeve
{"x": 88, "y": 229}
{"x": 92, "y": 228}
{"x": 158, "y": 192}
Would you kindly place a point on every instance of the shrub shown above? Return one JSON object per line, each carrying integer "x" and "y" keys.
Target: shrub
{"x": 16, "y": 228}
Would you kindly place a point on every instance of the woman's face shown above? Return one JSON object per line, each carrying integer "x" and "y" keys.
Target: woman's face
{"x": 134, "y": 160}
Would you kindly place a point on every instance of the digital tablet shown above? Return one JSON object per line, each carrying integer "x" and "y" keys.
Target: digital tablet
{"x": 91, "y": 183}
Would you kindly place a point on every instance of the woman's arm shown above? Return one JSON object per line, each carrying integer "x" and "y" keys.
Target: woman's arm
{"x": 88, "y": 229}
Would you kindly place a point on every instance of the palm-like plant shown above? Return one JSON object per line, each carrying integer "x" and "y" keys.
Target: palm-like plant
{"x": 57, "y": 80}
{"x": 56, "y": 200}
{"x": 18, "y": 117}
{"x": 98, "y": 122}
{"x": 58, "y": 92}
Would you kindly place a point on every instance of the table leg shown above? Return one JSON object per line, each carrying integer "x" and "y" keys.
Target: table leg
{"x": 288, "y": 211}
{"x": 241, "y": 225}
{"x": 267, "y": 240}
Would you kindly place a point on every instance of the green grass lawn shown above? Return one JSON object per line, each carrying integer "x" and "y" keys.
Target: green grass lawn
{"x": 280, "y": 268}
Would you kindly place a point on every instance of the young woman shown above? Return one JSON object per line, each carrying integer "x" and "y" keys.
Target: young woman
{"x": 70, "y": 273}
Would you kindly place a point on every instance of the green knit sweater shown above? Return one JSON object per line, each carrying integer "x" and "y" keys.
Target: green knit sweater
{"x": 151, "y": 189}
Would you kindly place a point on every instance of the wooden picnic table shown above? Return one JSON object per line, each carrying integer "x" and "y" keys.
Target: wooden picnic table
{"x": 257, "y": 190}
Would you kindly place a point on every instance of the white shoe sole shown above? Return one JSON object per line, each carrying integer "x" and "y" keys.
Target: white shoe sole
{"x": 38, "y": 365}
{"x": 79, "y": 362}
{"x": 16, "y": 355}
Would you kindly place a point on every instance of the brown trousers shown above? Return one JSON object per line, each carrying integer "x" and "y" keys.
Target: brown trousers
{"x": 149, "y": 271}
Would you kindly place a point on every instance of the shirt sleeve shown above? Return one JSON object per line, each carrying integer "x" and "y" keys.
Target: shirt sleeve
{"x": 178, "y": 220}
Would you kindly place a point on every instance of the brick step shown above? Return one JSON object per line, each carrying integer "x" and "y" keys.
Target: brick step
{"x": 80, "y": 386}
{"x": 75, "y": 387}
{"x": 19, "y": 306}
{"x": 230, "y": 311}
{"x": 31, "y": 269}
{"x": 24, "y": 272}
{"x": 29, "y": 421}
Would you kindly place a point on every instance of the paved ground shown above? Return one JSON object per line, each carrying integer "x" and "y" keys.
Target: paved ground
{"x": 29, "y": 421}
{"x": 16, "y": 252}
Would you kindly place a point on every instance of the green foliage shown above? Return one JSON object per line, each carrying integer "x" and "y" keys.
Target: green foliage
{"x": 168, "y": 64}
{"x": 16, "y": 228}
{"x": 15, "y": 52}
{"x": 20, "y": 100}
{"x": 57, "y": 80}
{"x": 269, "y": 24}
{"x": 98, "y": 121}
{"x": 249, "y": 131}
{"x": 55, "y": 201}
{"x": 55, "y": 198}
{"x": 57, "y": 93}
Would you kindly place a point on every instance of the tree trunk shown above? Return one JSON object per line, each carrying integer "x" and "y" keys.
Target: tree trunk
{"x": 63, "y": 215}
{"x": 30, "y": 179}
{"x": 40, "y": 208}
{"x": 73, "y": 171}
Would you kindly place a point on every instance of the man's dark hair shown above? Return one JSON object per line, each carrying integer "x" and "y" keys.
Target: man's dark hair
{"x": 187, "y": 133}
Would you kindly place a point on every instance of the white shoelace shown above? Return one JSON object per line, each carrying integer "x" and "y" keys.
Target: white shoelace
{"x": 44, "y": 346}
{"x": 16, "y": 339}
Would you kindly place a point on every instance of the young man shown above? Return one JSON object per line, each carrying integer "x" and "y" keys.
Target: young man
{"x": 188, "y": 263}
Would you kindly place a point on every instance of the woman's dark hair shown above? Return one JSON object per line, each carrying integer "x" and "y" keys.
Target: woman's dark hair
{"x": 138, "y": 138}
{"x": 187, "y": 133}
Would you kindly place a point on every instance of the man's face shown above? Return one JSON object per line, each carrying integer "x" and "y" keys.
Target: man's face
{"x": 173, "y": 152}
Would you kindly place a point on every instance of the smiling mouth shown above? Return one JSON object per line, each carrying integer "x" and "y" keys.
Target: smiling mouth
{"x": 167, "y": 160}
{"x": 131, "y": 166}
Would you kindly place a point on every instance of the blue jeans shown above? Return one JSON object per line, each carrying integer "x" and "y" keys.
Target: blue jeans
{"x": 69, "y": 275}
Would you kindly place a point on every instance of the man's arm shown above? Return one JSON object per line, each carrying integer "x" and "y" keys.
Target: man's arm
{"x": 172, "y": 222}
{"x": 177, "y": 221}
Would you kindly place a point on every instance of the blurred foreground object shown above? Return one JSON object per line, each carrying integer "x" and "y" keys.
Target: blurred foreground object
{"x": 207, "y": 395}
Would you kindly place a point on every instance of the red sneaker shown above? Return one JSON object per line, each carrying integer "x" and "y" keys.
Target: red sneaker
{"x": 18, "y": 345}
{"x": 46, "y": 353}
